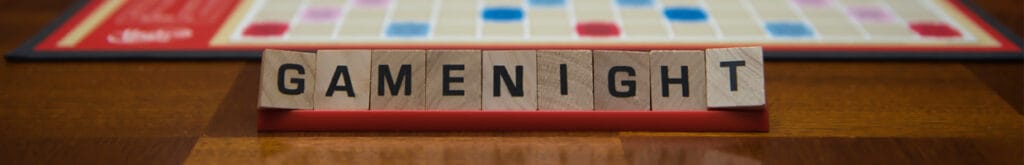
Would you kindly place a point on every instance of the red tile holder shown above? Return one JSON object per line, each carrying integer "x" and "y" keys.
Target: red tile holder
{"x": 406, "y": 120}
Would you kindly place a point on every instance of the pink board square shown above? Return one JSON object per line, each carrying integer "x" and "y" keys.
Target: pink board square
{"x": 372, "y": 3}
{"x": 813, "y": 3}
{"x": 870, "y": 14}
{"x": 321, "y": 14}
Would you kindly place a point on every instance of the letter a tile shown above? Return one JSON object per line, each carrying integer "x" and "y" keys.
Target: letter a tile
{"x": 343, "y": 80}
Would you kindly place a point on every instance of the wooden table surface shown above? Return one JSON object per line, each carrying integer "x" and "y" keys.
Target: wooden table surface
{"x": 202, "y": 112}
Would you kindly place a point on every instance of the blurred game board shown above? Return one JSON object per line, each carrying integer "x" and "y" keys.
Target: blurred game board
{"x": 787, "y": 29}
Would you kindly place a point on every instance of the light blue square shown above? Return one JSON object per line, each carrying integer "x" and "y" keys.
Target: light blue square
{"x": 789, "y": 30}
{"x": 634, "y": 3}
{"x": 547, "y": 3}
{"x": 407, "y": 30}
{"x": 503, "y": 14}
{"x": 685, "y": 14}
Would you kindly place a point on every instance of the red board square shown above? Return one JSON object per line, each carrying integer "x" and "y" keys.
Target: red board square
{"x": 265, "y": 29}
{"x": 597, "y": 29}
{"x": 932, "y": 29}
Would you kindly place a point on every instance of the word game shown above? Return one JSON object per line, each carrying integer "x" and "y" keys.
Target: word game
{"x": 513, "y": 80}
{"x": 718, "y": 89}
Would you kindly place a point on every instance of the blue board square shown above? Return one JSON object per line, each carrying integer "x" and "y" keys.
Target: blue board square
{"x": 503, "y": 14}
{"x": 789, "y": 29}
{"x": 547, "y": 3}
{"x": 408, "y": 30}
{"x": 685, "y": 14}
{"x": 634, "y": 3}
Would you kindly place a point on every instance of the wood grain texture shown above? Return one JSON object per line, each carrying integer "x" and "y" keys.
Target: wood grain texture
{"x": 469, "y": 61}
{"x": 579, "y": 80}
{"x": 278, "y": 79}
{"x": 503, "y": 98}
{"x": 604, "y": 86}
{"x": 357, "y": 66}
{"x": 672, "y": 97}
{"x": 743, "y": 90}
{"x": 382, "y": 97}
{"x": 203, "y": 112}
{"x": 918, "y": 117}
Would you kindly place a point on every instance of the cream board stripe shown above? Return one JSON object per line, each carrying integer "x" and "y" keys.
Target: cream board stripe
{"x": 803, "y": 18}
{"x": 90, "y": 23}
{"x": 341, "y": 19}
{"x": 860, "y": 27}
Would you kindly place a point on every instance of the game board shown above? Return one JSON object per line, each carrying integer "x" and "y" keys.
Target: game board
{"x": 801, "y": 29}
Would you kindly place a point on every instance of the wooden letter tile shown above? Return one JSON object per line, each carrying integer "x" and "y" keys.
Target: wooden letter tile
{"x": 510, "y": 80}
{"x": 343, "y": 80}
{"x": 669, "y": 89}
{"x": 621, "y": 80}
{"x": 453, "y": 80}
{"x": 286, "y": 79}
{"x": 565, "y": 80}
{"x": 397, "y": 80}
{"x": 735, "y": 78}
